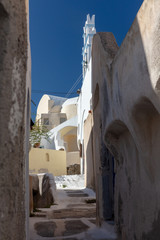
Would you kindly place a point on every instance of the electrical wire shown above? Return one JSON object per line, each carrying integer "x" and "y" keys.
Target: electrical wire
{"x": 49, "y": 92}
{"x": 74, "y": 85}
{"x": 60, "y": 93}
{"x": 33, "y": 102}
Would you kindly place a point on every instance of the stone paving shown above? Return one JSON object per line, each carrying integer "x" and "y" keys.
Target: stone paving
{"x": 72, "y": 218}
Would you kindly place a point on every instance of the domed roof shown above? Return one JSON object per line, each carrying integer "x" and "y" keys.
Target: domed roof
{"x": 58, "y": 101}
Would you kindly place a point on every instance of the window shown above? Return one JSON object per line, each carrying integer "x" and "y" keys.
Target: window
{"x": 62, "y": 120}
{"x": 47, "y": 157}
{"x": 46, "y": 121}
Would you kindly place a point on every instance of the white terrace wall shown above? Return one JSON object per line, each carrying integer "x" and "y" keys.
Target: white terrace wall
{"x": 84, "y": 106}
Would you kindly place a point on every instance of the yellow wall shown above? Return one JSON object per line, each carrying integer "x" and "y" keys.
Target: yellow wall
{"x": 46, "y": 160}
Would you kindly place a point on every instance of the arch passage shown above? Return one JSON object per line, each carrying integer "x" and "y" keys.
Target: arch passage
{"x": 121, "y": 144}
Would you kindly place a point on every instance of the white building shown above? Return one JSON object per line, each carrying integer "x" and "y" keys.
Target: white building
{"x": 70, "y": 120}
{"x": 49, "y": 111}
{"x": 88, "y": 32}
{"x": 85, "y": 97}
{"x": 59, "y": 115}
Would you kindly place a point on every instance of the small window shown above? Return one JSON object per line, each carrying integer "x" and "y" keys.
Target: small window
{"x": 46, "y": 121}
{"x": 62, "y": 120}
{"x": 47, "y": 157}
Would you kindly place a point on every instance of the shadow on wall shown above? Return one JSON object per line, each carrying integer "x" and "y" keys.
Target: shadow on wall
{"x": 121, "y": 144}
{"x": 137, "y": 158}
{"x": 137, "y": 169}
{"x": 88, "y": 158}
{"x": 4, "y": 27}
{"x": 88, "y": 152}
{"x": 132, "y": 122}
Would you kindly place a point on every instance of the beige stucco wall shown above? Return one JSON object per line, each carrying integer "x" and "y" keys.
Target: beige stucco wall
{"x": 72, "y": 158}
{"x": 88, "y": 152}
{"x": 46, "y": 160}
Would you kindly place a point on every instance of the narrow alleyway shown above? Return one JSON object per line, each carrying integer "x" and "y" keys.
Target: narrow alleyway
{"x": 74, "y": 217}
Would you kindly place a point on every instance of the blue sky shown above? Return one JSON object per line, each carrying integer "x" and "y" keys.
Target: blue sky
{"x": 56, "y": 28}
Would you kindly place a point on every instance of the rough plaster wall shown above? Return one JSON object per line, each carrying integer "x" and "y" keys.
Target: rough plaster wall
{"x": 102, "y": 58}
{"x": 132, "y": 120}
{"x": 128, "y": 177}
{"x": 27, "y": 122}
{"x": 13, "y": 59}
{"x": 137, "y": 176}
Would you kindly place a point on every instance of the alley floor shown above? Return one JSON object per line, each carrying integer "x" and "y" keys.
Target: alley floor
{"x": 72, "y": 218}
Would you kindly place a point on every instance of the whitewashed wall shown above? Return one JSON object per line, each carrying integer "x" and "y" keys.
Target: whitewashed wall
{"x": 84, "y": 105}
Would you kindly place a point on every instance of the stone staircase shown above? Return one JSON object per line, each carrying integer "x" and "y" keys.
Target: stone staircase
{"x": 73, "y": 218}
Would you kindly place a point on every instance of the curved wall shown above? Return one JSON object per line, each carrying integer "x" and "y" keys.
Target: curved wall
{"x": 128, "y": 83}
{"x": 42, "y": 106}
{"x": 69, "y": 110}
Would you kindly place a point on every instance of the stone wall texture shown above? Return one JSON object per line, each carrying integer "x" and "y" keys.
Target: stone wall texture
{"x": 73, "y": 169}
{"x": 13, "y": 124}
{"x": 126, "y": 117}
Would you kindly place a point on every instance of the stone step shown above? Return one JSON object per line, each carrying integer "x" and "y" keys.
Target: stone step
{"x": 72, "y": 213}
